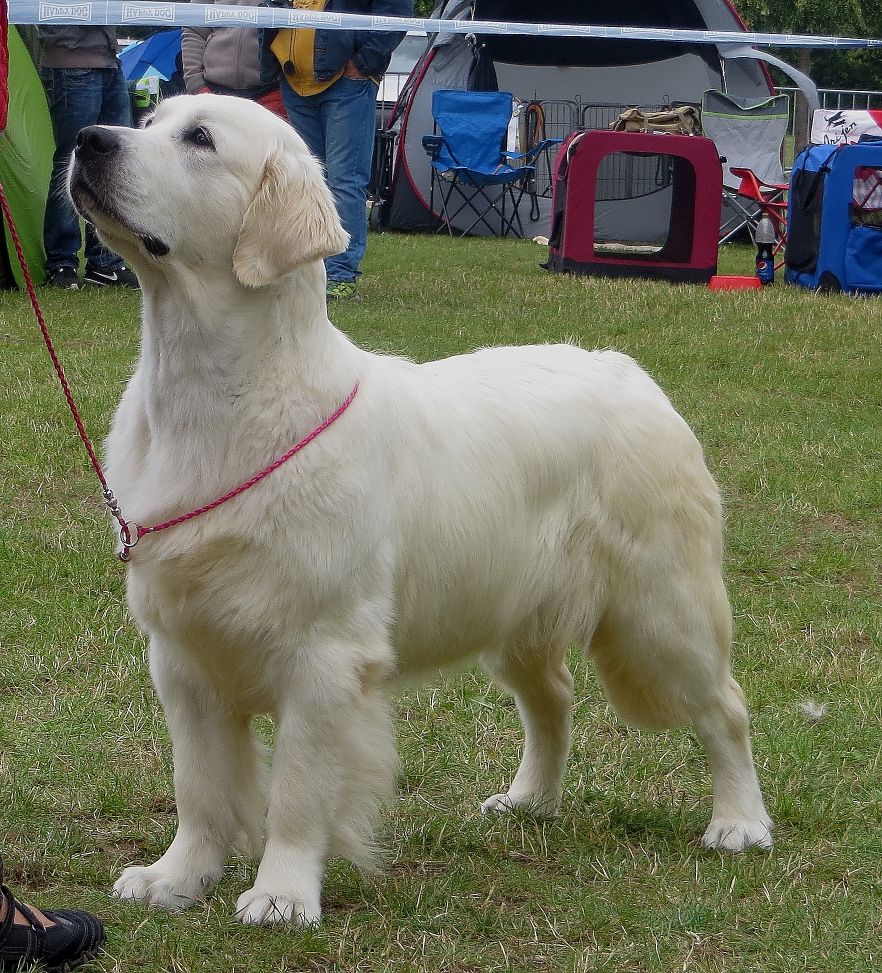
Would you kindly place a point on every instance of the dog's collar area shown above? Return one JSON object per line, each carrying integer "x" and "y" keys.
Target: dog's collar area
{"x": 130, "y": 533}
{"x": 155, "y": 246}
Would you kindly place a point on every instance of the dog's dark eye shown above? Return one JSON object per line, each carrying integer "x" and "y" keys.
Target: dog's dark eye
{"x": 200, "y": 136}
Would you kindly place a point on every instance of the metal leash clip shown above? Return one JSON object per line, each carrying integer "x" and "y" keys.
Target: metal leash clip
{"x": 126, "y": 538}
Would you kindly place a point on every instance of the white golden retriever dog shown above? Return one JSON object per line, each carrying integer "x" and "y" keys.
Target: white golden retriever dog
{"x": 500, "y": 505}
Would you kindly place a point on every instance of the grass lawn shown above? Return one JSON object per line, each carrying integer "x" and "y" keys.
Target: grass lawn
{"x": 784, "y": 389}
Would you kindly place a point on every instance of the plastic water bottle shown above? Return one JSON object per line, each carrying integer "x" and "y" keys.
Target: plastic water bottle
{"x": 765, "y": 250}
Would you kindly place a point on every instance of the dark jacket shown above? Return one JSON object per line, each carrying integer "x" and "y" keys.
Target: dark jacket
{"x": 78, "y": 47}
{"x": 370, "y": 51}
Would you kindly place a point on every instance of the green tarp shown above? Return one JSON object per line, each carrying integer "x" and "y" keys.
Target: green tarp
{"x": 26, "y": 149}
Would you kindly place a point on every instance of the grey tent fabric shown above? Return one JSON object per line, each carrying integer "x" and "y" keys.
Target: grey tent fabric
{"x": 803, "y": 81}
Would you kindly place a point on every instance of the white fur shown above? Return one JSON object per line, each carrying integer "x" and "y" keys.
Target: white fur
{"x": 502, "y": 504}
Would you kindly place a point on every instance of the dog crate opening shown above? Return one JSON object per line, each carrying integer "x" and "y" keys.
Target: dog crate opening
{"x": 634, "y": 203}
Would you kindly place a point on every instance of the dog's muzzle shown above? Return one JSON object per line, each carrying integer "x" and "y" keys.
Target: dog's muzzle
{"x": 93, "y": 171}
{"x": 93, "y": 166}
{"x": 95, "y": 158}
{"x": 96, "y": 143}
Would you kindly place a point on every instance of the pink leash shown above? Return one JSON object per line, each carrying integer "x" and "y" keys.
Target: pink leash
{"x": 129, "y": 532}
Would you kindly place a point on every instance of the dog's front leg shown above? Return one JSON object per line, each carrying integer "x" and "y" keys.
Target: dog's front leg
{"x": 333, "y": 768}
{"x": 218, "y": 786}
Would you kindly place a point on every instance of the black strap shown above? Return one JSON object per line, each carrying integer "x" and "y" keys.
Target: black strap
{"x": 35, "y": 921}
{"x": 7, "y": 898}
{"x": 819, "y": 178}
{"x": 30, "y": 938}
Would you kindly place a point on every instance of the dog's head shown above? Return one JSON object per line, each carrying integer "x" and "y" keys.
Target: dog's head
{"x": 208, "y": 179}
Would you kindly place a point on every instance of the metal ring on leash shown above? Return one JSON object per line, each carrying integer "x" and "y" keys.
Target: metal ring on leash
{"x": 127, "y": 540}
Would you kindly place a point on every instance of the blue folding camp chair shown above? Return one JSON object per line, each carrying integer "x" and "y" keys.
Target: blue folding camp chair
{"x": 469, "y": 159}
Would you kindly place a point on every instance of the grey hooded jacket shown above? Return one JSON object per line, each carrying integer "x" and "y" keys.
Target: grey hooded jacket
{"x": 78, "y": 47}
{"x": 224, "y": 59}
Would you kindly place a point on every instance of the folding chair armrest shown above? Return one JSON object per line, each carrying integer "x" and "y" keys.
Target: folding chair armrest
{"x": 752, "y": 186}
{"x": 432, "y": 144}
{"x": 534, "y": 151}
{"x": 547, "y": 144}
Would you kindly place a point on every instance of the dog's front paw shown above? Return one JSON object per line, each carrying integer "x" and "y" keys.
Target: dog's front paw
{"x": 256, "y": 908}
{"x": 737, "y": 835}
{"x": 157, "y": 887}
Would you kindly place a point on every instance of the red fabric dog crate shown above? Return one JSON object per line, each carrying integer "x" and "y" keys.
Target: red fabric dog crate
{"x": 686, "y": 189}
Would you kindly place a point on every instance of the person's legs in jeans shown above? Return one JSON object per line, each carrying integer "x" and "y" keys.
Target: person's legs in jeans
{"x": 78, "y": 97}
{"x": 304, "y": 114}
{"x": 74, "y": 98}
{"x": 338, "y": 127}
{"x": 349, "y": 117}
{"x": 115, "y": 109}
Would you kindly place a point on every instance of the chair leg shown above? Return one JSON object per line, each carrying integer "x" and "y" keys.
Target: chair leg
{"x": 515, "y": 212}
{"x": 466, "y": 201}
{"x": 742, "y": 218}
{"x": 478, "y": 201}
{"x": 480, "y": 214}
{"x": 445, "y": 222}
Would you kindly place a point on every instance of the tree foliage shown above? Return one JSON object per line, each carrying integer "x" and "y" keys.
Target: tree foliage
{"x": 845, "y": 18}
{"x": 830, "y": 69}
{"x": 806, "y": 16}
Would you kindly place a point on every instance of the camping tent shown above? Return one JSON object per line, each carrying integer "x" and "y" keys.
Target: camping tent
{"x": 580, "y": 82}
{"x": 26, "y": 149}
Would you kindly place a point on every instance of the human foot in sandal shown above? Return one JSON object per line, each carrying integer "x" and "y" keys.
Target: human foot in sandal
{"x": 60, "y": 940}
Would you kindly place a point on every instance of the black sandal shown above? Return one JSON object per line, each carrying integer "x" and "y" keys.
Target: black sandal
{"x": 75, "y": 937}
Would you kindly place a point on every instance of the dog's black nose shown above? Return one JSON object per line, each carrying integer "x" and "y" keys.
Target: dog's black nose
{"x": 97, "y": 140}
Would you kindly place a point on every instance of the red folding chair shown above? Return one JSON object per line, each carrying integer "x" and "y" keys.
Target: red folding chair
{"x": 765, "y": 199}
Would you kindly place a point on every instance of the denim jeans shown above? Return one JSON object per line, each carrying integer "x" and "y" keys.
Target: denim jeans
{"x": 338, "y": 126}
{"x": 78, "y": 97}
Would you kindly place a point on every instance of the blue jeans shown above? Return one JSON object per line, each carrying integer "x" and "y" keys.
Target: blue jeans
{"x": 338, "y": 126}
{"x": 78, "y": 97}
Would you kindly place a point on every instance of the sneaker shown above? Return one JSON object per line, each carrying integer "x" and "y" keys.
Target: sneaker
{"x": 64, "y": 277}
{"x": 116, "y": 277}
{"x": 342, "y": 290}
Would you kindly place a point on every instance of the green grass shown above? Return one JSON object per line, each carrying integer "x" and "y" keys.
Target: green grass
{"x": 783, "y": 387}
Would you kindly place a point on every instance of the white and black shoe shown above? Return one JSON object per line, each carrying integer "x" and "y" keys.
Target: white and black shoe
{"x": 111, "y": 277}
{"x": 63, "y": 277}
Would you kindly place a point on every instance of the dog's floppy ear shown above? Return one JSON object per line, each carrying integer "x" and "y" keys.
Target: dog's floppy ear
{"x": 291, "y": 221}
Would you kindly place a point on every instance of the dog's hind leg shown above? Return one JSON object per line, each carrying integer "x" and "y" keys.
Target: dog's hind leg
{"x": 543, "y": 691}
{"x": 217, "y": 788}
{"x": 666, "y": 663}
{"x": 739, "y": 817}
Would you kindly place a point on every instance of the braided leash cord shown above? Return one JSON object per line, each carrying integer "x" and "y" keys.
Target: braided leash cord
{"x": 130, "y": 533}
{"x": 248, "y": 484}
{"x": 32, "y": 294}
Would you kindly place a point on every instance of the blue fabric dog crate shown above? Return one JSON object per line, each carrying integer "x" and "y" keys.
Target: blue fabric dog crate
{"x": 834, "y": 218}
